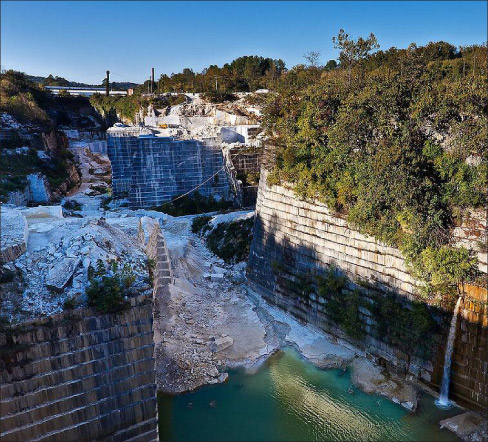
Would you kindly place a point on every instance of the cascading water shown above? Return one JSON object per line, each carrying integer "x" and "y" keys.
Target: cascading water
{"x": 443, "y": 401}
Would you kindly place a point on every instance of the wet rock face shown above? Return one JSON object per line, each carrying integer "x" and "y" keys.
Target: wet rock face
{"x": 151, "y": 171}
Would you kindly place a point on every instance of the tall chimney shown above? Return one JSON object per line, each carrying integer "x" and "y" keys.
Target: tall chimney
{"x": 152, "y": 80}
{"x": 107, "y": 87}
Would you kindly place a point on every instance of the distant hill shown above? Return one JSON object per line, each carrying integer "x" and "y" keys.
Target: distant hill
{"x": 60, "y": 81}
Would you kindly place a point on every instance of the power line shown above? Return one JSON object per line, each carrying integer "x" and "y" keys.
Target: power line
{"x": 201, "y": 184}
{"x": 195, "y": 188}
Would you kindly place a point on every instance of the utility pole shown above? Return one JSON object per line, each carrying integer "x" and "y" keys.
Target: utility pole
{"x": 152, "y": 80}
{"x": 107, "y": 87}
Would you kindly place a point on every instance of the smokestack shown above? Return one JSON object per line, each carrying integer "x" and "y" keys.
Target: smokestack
{"x": 152, "y": 80}
{"x": 107, "y": 87}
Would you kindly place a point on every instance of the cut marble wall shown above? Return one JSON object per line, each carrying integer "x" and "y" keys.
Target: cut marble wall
{"x": 151, "y": 170}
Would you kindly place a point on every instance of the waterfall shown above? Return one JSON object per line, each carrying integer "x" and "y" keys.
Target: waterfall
{"x": 443, "y": 401}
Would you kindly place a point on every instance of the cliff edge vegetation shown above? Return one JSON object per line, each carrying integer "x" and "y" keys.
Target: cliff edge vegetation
{"x": 395, "y": 141}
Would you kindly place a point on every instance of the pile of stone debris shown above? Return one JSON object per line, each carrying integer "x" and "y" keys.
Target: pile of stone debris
{"x": 46, "y": 257}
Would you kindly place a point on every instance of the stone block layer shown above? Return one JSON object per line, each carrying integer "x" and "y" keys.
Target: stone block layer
{"x": 295, "y": 240}
{"x": 80, "y": 376}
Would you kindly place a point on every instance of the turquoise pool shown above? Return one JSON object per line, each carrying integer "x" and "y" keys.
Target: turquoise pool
{"x": 289, "y": 399}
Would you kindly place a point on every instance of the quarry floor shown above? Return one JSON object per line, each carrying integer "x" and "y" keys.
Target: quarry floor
{"x": 212, "y": 321}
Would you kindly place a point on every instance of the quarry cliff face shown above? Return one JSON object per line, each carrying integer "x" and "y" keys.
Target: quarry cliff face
{"x": 296, "y": 241}
{"x": 82, "y": 375}
{"x": 152, "y": 170}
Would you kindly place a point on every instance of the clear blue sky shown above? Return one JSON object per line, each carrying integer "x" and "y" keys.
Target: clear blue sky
{"x": 81, "y": 40}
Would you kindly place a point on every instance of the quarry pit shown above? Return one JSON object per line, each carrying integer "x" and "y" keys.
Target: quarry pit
{"x": 192, "y": 316}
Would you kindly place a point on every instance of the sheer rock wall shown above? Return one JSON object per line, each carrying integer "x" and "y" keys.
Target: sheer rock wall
{"x": 294, "y": 240}
{"x": 153, "y": 170}
{"x": 80, "y": 376}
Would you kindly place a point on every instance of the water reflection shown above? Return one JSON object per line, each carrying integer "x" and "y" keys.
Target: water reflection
{"x": 318, "y": 409}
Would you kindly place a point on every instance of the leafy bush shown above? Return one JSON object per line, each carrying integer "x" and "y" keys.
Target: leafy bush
{"x": 69, "y": 303}
{"x": 331, "y": 283}
{"x": 200, "y": 224}
{"x": 409, "y": 327}
{"x": 6, "y": 275}
{"x": 231, "y": 241}
{"x": 113, "y": 106}
{"x": 101, "y": 189}
{"x": 219, "y": 96}
{"x": 108, "y": 287}
{"x": 249, "y": 178}
{"x": 344, "y": 310}
{"x": 193, "y": 204}
{"x": 72, "y": 205}
{"x": 446, "y": 267}
{"x": 23, "y": 99}
{"x": 105, "y": 201}
{"x": 173, "y": 100}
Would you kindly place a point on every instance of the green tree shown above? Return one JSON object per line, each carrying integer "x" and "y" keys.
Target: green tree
{"x": 353, "y": 51}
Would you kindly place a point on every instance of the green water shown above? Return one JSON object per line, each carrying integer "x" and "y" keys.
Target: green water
{"x": 289, "y": 399}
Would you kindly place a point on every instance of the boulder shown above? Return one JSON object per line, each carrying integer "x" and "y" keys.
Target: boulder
{"x": 469, "y": 426}
{"x": 221, "y": 343}
{"x": 216, "y": 277}
{"x": 60, "y": 275}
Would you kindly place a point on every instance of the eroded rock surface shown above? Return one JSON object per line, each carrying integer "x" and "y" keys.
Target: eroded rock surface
{"x": 372, "y": 378}
{"x": 469, "y": 426}
{"x": 14, "y": 234}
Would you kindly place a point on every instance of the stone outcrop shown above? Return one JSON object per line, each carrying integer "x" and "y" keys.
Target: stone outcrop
{"x": 14, "y": 234}
{"x": 295, "y": 240}
{"x": 152, "y": 170}
{"x": 240, "y": 161}
{"x": 71, "y": 181}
